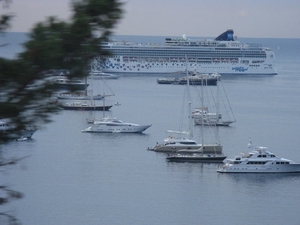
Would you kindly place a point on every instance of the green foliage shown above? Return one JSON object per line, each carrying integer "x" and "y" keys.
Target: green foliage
{"x": 5, "y": 18}
{"x": 53, "y": 44}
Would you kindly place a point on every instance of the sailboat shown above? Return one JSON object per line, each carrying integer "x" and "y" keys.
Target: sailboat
{"x": 182, "y": 140}
{"x": 78, "y": 96}
{"x": 112, "y": 124}
{"x": 202, "y": 116}
{"x": 213, "y": 154}
{"x": 87, "y": 105}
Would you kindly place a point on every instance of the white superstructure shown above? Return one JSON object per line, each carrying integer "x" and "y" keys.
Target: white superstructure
{"x": 224, "y": 55}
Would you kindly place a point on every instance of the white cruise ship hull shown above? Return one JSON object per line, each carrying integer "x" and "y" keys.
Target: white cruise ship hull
{"x": 118, "y": 65}
{"x": 224, "y": 55}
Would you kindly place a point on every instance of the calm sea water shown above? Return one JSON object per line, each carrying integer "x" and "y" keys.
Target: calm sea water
{"x": 79, "y": 178}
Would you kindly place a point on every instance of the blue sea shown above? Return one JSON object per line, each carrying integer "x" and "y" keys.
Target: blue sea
{"x": 79, "y": 178}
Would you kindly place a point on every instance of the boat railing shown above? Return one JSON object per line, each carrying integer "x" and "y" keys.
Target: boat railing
{"x": 254, "y": 45}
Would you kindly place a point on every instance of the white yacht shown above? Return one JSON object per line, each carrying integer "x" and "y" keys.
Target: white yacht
{"x": 217, "y": 100}
{"x": 210, "y": 119}
{"x": 96, "y": 74}
{"x": 65, "y": 83}
{"x": 8, "y": 130}
{"x": 199, "y": 112}
{"x": 113, "y": 125}
{"x": 224, "y": 54}
{"x": 259, "y": 160}
{"x": 177, "y": 143}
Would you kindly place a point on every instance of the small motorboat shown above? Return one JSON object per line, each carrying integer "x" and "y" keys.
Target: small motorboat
{"x": 22, "y": 139}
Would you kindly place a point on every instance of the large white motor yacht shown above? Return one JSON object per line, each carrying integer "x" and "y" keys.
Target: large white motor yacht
{"x": 185, "y": 145}
{"x": 259, "y": 160}
{"x": 113, "y": 125}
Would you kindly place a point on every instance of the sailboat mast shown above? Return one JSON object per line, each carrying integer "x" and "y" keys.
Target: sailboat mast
{"x": 85, "y": 83}
{"x": 202, "y": 114}
{"x": 218, "y": 103}
{"x": 92, "y": 91}
{"x": 103, "y": 111}
{"x": 189, "y": 100}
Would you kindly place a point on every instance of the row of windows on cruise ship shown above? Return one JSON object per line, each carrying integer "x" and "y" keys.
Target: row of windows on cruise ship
{"x": 249, "y": 54}
{"x": 144, "y": 51}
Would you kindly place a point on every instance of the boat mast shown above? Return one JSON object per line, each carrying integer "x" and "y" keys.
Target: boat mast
{"x": 189, "y": 101}
{"x": 103, "y": 111}
{"x": 92, "y": 91}
{"x": 85, "y": 83}
{"x": 218, "y": 106}
{"x": 202, "y": 113}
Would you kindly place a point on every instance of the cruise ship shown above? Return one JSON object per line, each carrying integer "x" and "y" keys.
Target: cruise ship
{"x": 224, "y": 55}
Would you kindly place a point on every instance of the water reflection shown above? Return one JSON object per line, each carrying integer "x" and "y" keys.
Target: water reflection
{"x": 264, "y": 178}
{"x": 199, "y": 167}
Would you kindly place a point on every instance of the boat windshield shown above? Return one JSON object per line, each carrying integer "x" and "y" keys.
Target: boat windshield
{"x": 188, "y": 143}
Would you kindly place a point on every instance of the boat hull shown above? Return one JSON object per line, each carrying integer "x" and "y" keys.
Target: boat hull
{"x": 87, "y": 108}
{"x": 112, "y": 76}
{"x": 66, "y": 97}
{"x": 200, "y": 68}
{"x": 165, "y": 81}
{"x": 281, "y": 168}
{"x": 117, "y": 129}
{"x": 206, "y": 82}
{"x": 70, "y": 87}
{"x": 200, "y": 158}
{"x": 11, "y": 134}
{"x": 207, "y": 148}
{"x": 212, "y": 123}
